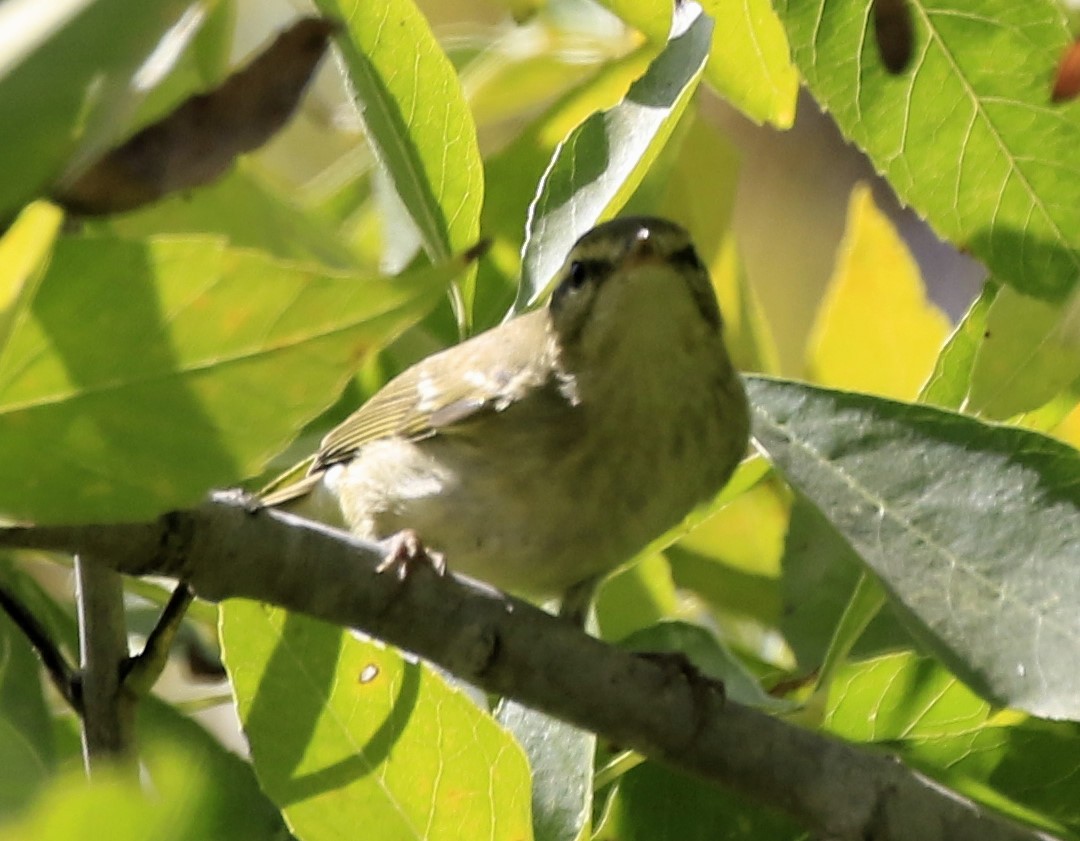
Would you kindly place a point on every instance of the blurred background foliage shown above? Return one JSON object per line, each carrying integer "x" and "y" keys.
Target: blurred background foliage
{"x": 150, "y": 355}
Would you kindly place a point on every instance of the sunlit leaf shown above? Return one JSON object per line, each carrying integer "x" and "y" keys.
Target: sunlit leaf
{"x": 1018, "y": 765}
{"x": 346, "y": 733}
{"x": 24, "y": 253}
{"x": 601, "y": 162}
{"x": 246, "y": 208}
{"x": 750, "y": 64}
{"x": 967, "y": 134}
{"x": 60, "y": 86}
{"x": 164, "y": 368}
{"x": 416, "y": 118}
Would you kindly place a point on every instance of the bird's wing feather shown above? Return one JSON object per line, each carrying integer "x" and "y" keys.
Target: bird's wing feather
{"x": 489, "y": 372}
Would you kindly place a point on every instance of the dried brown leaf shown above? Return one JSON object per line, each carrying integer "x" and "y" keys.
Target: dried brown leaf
{"x": 199, "y": 141}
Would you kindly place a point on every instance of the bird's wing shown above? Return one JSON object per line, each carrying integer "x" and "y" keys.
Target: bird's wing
{"x": 487, "y": 373}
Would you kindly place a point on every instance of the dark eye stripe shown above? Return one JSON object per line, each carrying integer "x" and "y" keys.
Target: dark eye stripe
{"x": 582, "y": 271}
{"x": 687, "y": 257}
{"x": 578, "y": 273}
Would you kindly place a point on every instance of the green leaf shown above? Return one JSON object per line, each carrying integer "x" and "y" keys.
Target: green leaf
{"x": 246, "y": 209}
{"x": 949, "y": 383}
{"x": 652, "y": 18}
{"x": 515, "y": 170}
{"x": 1018, "y": 765}
{"x": 974, "y": 529}
{"x": 59, "y": 88}
{"x": 598, "y": 166}
{"x": 234, "y": 806}
{"x": 636, "y": 596}
{"x": 821, "y": 575}
{"x": 749, "y": 63}
{"x": 166, "y": 367}
{"x": 347, "y": 734}
{"x": 181, "y": 807}
{"x": 27, "y": 753}
{"x": 1029, "y": 353}
{"x": 416, "y": 118}
{"x": 655, "y": 804}
{"x": 967, "y": 135}
{"x": 708, "y": 654}
{"x": 561, "y": 761}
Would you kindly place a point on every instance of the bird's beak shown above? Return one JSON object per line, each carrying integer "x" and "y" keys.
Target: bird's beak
{"x": 642, "y": 250}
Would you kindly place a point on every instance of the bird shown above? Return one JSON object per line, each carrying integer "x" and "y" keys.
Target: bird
{"x": 541, "y": 454}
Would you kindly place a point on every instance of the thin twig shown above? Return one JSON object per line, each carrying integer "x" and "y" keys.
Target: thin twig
{"x": 63, "y": 675}
{"x": 141, "y": 672}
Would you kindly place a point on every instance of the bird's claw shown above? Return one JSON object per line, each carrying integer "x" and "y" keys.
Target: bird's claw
{"x": 405, "y": 551}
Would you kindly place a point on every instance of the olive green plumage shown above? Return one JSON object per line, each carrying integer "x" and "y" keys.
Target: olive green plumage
{"x": 553, "y": 447}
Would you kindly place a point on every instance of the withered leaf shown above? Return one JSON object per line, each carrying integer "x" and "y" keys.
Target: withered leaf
{"x": 199, "y": 141}
{"x": 1067, "y": 78}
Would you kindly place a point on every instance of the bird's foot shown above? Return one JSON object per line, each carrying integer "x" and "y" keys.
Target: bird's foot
{"x": 405, "y": 552}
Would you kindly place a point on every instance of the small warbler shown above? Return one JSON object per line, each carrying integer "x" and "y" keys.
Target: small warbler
{"x": 548, "y": 450}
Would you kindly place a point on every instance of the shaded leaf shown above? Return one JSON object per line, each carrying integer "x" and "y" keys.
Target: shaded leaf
{"x": 1029, "y": 353}
{"x": 655, "y": 804}
{"x": 27, "y": 754}
{"x": 197, "y": 143}
{"x": 345, "y": 733}
{"x": 204, "y": 362}
{"x": 59, "y": 88}
{"x": 598, "y": 166}
{"x": 708, "y": 654}
{"x": 821, "y": 573}
{"x": 561, "y": 763}
{"x": 974, "y": 529}
{"x": 949, "y": 383}
{"x": 894, "y": 33}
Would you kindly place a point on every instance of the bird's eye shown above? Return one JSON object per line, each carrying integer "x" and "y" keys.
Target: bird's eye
{"x": 578, "y": 274}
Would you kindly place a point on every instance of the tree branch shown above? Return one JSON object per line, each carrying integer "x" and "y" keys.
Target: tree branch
{"x": 108, "y": 709}
{"x": 225, "y": 549}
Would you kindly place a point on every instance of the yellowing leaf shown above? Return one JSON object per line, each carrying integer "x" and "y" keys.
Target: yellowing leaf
{"x": 750, "y": 61}
{"x": 24, "y": 252}
{"x": 875, "y": 330}
{"x": 1069, "y": 428}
